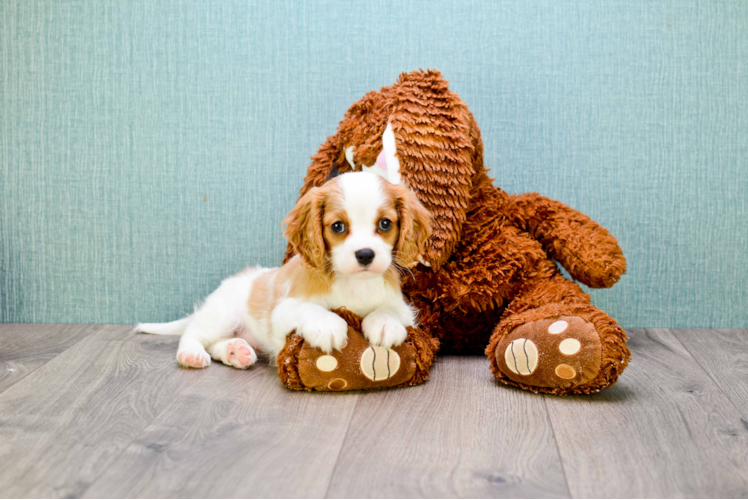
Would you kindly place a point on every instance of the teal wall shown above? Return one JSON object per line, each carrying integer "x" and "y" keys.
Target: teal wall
{"x": 150, "y": 149}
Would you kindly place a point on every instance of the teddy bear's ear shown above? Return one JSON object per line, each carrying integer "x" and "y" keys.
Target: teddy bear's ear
{"x": 433, "y": 132}
{"x": 335, "y": 154}
{"x": 436, "y": 148}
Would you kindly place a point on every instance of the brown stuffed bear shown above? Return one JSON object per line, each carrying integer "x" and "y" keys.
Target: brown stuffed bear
{"x": 487, "y": 280}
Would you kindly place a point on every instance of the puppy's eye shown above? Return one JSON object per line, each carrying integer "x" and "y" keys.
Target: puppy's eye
{"x": 385, "y": 224}
{"x": 338, "y": 227}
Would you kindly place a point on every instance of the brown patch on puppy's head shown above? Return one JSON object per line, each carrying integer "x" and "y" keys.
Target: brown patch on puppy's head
{"x": 305, "y": 227}
{"x": 334, "y": 211}
{"x": 309, "y": 224}
{"x": 389, "y": 211}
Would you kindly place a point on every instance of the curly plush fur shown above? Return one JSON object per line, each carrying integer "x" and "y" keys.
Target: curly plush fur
{"x": 491, "y": 254}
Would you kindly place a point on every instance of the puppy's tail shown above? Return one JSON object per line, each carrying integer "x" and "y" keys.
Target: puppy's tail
{"x": 174, "y": 328}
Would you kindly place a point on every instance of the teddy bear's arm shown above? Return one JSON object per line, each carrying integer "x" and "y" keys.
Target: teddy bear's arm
{"x": 586, "y": 249}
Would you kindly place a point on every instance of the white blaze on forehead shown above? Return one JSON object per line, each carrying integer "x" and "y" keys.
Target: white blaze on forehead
{"x": 362, "y": 193}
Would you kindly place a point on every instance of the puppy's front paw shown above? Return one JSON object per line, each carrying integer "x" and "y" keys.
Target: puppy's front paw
{"x": 384, "y": 329}
{"x": 326, "y": 331}
{"x": 193, "y": 358}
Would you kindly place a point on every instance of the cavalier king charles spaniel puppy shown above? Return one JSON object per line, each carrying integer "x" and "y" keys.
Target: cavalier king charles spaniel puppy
{"x": 350, "y": 237}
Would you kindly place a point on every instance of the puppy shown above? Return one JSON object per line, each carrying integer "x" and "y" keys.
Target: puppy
{"x": 350, "y": 236}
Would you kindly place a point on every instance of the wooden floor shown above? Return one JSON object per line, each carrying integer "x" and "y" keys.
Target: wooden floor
{"x": 93, "y": 411}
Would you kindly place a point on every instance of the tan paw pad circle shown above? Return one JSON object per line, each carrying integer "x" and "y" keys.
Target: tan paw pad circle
{"x": 326, "y": 363}
{"x": 566, "y": 372}
{"x": 337, "y": 384}
{"x": 521, "y": 356}
{"x": 379, "y": 363}
{"x": 569, "y": 346}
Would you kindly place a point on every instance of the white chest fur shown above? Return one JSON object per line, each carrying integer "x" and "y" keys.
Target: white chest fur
{"x": 360, "y": 296}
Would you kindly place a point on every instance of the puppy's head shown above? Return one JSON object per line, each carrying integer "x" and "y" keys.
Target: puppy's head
{"x": 358, "y": 224}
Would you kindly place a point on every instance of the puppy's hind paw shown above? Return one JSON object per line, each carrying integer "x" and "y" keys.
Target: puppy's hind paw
{"x": 240, "y": 354}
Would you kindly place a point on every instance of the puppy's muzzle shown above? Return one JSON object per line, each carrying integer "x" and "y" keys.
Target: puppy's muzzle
{"x": 365, "y": 256}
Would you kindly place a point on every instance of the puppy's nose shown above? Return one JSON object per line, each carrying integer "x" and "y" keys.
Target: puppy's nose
{"x": 365, "y": 256}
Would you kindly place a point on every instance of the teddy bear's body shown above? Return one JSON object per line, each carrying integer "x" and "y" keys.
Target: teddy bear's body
{"x": 488, "y": 280}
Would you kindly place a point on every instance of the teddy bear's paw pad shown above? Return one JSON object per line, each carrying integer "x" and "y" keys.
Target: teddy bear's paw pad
{"x": 379, "y": 363}
{"x": 240, "y": 354}
{"x": 359, "y": 365}
{"x": 521, "y": 356}
{"x": 552, "y": 352}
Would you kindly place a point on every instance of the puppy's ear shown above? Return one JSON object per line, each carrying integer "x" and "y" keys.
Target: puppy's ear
{"x": 415, "y": 227}
{"x": 304, "y": 228}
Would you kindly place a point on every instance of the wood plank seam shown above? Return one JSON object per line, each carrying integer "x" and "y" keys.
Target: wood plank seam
{"x": 252, "y": 433}
{"x": 462, "y": 434}
{"x": 124, "y": 449}
{"x": 342, "y": 446}
{"x": 555, "y": 441}
{"x": 708, "y": 374}
{"x": 94, "y": 330}
{"x": 109, "y": 369}
{"x": 666, "y": 406}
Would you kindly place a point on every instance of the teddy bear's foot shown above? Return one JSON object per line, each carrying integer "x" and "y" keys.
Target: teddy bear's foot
{"x": 564, "y": 354}
{"x": 558, "y": 352}
{"x": 359, "y": 365}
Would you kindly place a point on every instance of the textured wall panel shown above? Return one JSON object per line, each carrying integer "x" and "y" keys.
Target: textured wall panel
{"x": 150, "y": 149}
